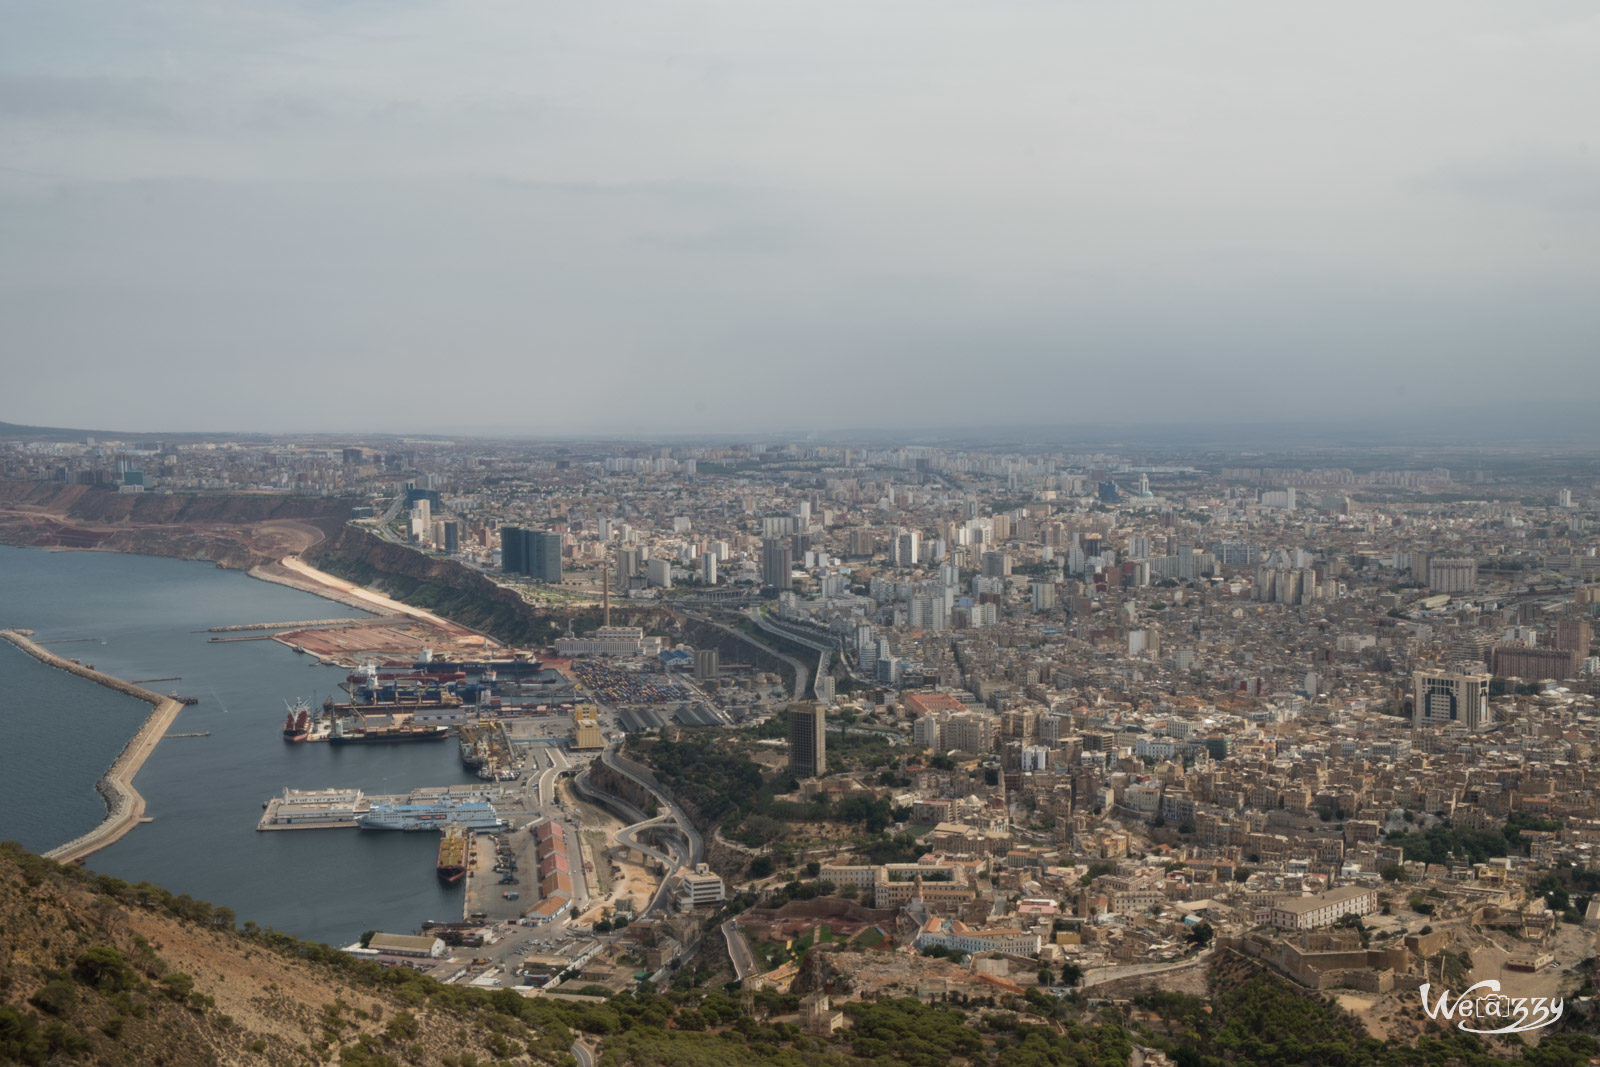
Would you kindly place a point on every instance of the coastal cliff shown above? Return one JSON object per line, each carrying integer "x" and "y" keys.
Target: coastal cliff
{"x": 240, "y": 530}
{"x": 459, "y": 593}
{"x": 233, "y": 530}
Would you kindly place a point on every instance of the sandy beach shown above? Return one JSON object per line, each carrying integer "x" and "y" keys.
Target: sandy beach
{"x": 297, "y": 574}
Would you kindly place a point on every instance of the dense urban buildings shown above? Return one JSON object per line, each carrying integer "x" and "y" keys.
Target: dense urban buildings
{"x": 1065, "y": 706}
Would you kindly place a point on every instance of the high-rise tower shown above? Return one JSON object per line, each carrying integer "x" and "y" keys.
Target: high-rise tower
{"x": 808, "y": 740}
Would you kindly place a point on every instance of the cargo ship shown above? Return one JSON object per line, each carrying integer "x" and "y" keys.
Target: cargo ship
{"x": 451, "y": 865}
{"x": 369, "y": 689}
{"x": 297, "y": 724}
{"x": 371, "y": 735}
{"x": 436, "y": 815}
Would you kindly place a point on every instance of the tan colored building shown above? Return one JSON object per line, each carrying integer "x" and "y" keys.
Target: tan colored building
{"x": 586, "y": 734}
{"x": 1321, "y": 909}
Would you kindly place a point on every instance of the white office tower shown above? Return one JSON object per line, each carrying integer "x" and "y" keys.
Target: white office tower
{"x": 708, "y": 567}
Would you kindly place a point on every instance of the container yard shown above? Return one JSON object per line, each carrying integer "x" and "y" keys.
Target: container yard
{"x": 618, "y": 687}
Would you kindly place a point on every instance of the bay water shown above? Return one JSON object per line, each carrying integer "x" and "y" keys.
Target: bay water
{"x": 142, "y": 617}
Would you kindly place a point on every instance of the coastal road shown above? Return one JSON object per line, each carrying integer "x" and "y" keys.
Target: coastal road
{"x": 744, "y": 964}
{"x": 620, "y": 763}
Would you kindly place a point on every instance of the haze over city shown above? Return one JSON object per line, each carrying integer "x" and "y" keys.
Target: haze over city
{"x": 542, "y": 218}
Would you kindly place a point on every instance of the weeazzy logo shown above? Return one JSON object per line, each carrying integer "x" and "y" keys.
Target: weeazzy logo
{"x": 1499, "y": 1014}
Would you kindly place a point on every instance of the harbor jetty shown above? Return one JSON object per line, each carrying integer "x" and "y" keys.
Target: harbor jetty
{"x": 124, "y": 805}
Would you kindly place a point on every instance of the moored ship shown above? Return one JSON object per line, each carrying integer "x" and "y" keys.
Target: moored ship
{"x": 297, "y": 724}
{"x": 371, "y": 735}
{"x": 467, "y": 814}
{"x": 451, "y": 865}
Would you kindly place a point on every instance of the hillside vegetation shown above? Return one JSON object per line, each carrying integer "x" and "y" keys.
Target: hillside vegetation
{"x": 94, "y": 970}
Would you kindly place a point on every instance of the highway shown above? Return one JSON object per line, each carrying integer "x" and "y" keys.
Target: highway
{"x": 677, "y": 855}
{"x": 622, "y": 765}
{"x": 797, "y": 690}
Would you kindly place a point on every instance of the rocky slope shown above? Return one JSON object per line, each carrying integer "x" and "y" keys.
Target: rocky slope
{"x": 93, "y": 970}
{"x": 236, "y": 530}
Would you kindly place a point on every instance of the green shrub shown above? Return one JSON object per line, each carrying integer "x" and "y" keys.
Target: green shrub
{"x": 55, "y": 997}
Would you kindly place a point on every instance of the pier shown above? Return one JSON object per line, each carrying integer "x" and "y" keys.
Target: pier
{"x": 124, "y": 805}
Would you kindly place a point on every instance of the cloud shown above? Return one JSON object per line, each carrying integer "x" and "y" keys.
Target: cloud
{"x": 931, "y": 210}
{"x": 1551, "y": 181}
{"x": 89, "y": 99}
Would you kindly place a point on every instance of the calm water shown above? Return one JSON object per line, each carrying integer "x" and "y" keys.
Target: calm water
{"x": 137, "y": 617}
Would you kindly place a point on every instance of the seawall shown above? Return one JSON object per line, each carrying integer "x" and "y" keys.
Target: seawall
{"x": 124, "y": 805}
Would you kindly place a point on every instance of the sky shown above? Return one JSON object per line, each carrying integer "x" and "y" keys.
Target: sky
{"x": 548, "y": 218}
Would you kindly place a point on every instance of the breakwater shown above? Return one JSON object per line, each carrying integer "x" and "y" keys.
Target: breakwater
{"x": 124, "y": 806}
{"x": 303, "y": 624}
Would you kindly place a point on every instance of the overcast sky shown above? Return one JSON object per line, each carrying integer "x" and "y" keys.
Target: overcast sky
{"x": 583, "y": 216}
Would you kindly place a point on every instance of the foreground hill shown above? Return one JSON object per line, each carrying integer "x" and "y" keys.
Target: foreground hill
{"x": 93, "y": 970}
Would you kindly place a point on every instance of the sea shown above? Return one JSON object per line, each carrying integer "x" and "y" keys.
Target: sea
{"x": 140, "y": 618}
